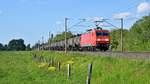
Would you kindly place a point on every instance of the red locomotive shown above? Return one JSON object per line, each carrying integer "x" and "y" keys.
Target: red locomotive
{"x": 94, "y": 39}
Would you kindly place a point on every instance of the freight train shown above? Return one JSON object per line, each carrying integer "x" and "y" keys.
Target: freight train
{"x": 95, "y": 39}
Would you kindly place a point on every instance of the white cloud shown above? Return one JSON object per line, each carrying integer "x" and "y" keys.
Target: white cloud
{"x": 143, "y": 7}
{"x": 122, "y": 15}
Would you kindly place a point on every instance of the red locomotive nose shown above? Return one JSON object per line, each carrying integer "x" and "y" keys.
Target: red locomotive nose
{"x": 102, "y": 40}
{"x": 102, "y": 37}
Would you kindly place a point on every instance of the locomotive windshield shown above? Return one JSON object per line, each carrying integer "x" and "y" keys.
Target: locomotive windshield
{"x": 102, "y": 34}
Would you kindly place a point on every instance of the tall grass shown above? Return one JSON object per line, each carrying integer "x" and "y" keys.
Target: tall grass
{"x": 21, "y": 68}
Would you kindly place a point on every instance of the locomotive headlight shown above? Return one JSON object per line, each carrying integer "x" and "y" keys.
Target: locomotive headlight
{"x": 106, "y": 39}
{"x": 102, "y": 39}
{"x": 98, "y": 39}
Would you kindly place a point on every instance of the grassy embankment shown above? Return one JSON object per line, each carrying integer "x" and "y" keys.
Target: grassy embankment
{"x": 20, "y": 68}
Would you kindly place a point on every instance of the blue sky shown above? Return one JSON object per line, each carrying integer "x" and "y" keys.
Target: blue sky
{"x": 32, "y": 19}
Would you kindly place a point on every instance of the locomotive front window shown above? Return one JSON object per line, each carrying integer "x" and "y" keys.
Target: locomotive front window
{"x": 102, "y": 33}
{"x": 105, "y": 34}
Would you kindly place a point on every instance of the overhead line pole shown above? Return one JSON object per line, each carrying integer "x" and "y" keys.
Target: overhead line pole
{"x": 49, "y": 40}
{"x": 42, "y": 42}
{"x": 38, "y": 45}
{"x": 66, "y": 20}
{"x": 121, "y": 34}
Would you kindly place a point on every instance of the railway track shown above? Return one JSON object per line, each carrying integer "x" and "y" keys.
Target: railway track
{"x": 145, "y": 55}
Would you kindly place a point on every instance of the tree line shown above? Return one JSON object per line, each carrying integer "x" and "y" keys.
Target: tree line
{"x": 15, "y": 45}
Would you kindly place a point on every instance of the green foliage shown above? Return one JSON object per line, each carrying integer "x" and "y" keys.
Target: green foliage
{"x": 140, "y": 33}
{"x": 28, "y": 48}
{"x": 61, "y": 36}
{"x": 16, "y": 44}
{"x": 3, "y": 47}
{"x": 115, "y": 39}
{"x": 35, "y": 46}
{"x": 141, "y": 29}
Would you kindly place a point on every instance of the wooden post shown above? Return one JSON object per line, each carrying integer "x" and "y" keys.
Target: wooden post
{"x": 38, "y": 45}
{"x": 58, "y": 66}
{"x": 88, "y": 81}
{"x": 69, "y": 71}
{"x": 49, "y": 41}
{"x": 49, "y": 64}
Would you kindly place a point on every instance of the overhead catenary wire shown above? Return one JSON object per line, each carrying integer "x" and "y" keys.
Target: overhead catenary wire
{"x": 110, "y": 24}
{"x": 82, "y": 20}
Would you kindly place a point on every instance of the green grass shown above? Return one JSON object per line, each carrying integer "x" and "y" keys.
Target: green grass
{"x": 21, "y": 68}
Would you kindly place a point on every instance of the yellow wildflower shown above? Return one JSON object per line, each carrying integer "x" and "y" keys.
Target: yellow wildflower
{"x": 70, "y": 62}
{"x": 52, "y": 69}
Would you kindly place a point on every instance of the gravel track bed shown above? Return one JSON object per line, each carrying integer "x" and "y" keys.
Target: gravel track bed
{"x": 145, "y": 55}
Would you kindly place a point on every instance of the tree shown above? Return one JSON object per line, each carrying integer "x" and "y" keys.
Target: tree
{"x": 140, "y": 33}
{"x": 61, "y": 36}
{"x": 28, "y": 48}
{"x": 16, "y": 45}
{"x": 1, "y": 46}
{"x": 6, "y": 47}
{"x": 141, "y": 29}
{"x": 116, "y": 39}
{"x": 36, "y": 46}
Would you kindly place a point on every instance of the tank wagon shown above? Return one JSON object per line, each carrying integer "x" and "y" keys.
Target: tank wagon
{"x": 92, "y": 40}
